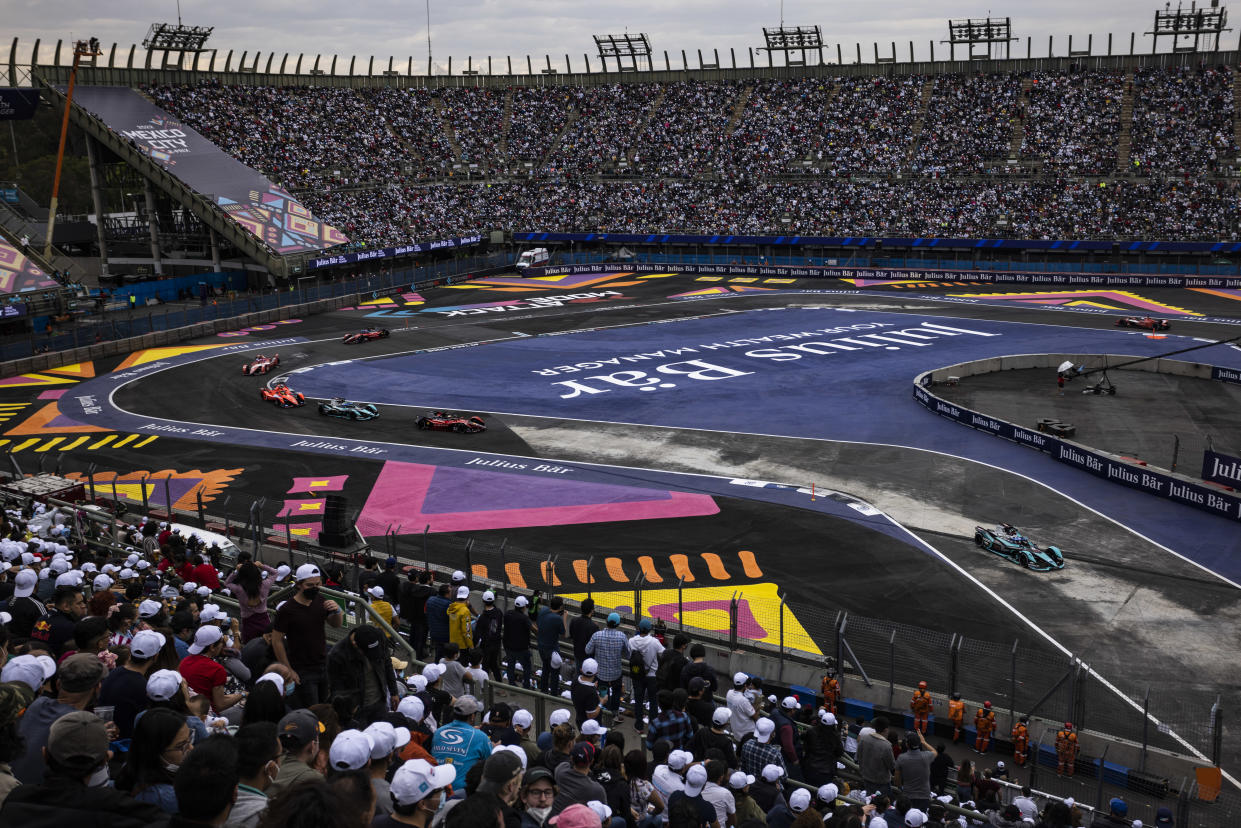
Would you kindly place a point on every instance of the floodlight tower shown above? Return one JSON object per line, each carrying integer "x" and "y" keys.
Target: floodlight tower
{"x": 629, "y": 51}
{"x": 989, "y": 32}
{"x": 179, "y": 38}
{"x": 81, "y": 49}
{"x": 1203, "y": 25}
{"x": 790, "y": 39}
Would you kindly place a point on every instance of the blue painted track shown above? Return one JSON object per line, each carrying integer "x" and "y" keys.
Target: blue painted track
{"x": 826, "y": 373}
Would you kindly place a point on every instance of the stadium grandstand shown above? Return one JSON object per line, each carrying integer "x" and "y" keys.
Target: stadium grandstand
{"x": 287, "y": 596}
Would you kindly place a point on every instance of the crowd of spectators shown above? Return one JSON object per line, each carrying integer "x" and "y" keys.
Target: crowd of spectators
{"x": 843, "y": 156}
{"x": 1071, "y": 120}
{"x": 968, "y": 125}
{"x": 1183, "y": 120}
{"x": 129, "y": 698}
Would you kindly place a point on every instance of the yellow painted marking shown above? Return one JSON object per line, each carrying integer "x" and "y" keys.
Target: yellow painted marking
{"x": 549, "y": 574}
{"x": 301, "y": 531}
{"x": 749, "y": 564}
{"x": 715, "y": 566}
{"x": 513, "y": 570}
{"x": 25, "y": 444}
{"x": 658, "y": 275}
{"x": 98, "y": 444}
{"x": 14, "y": 405}
{"x": 309, "y": 507}
{"x": 779, "y": 281}
{"x": 77, "y": 442}
{"x": 583, "y": 574}
{"x": 127, "y": 439}
{"x": 4, "y": 442}
{"x": 49, "y": 444}
{"x": 680, "y": 565}
{"x": 744, "y": 279}
{"x": 1220, "y": 293}
{"x": 648, "y": 570}
{"x": 762, "y": 600}
{"x": 479, "y": 570}
{"x": 616, "y": 570}
{"x": 709, "y": 279}
{"x": 150, "y": 439}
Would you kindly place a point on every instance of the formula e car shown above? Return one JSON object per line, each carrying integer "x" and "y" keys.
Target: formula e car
{"x": 261, "y": 365}
{"x": 444, "y": 421}
{"x": 340, "y": 407}
{"x": 1145, "y": 322}
{"x": 366, "y": 335}
{"x": 283, "y": 396}
{"x": 1005, "y": 541}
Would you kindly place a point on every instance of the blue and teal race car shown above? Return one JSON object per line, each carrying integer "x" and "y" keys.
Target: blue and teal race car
{"x": 340, "y": 407}
{"x": 1007, "y": 542}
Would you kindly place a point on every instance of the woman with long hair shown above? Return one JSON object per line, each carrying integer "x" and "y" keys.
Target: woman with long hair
{"x": 251, "y": 589}
{"x": 160, "y": 743}
{"x": 965, "y": 781}
{"x": 642, "y": 793}
{"x": 265, "y": 703}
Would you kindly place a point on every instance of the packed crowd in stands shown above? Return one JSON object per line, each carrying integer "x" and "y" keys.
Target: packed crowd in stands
{"x": 819, "y": 156}
{"x": 1071, "y": 121}
{"x": 128, "y": 697}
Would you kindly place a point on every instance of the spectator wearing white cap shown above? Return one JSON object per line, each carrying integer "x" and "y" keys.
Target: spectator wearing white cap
{"x": 79, "y": 678}
{"x": 714, "y": 736}
{"x": 377, "y": 597}
{"x": 767, "y": 786}
{"x": 518, "y": 628}
{"x": 125, "y": 688}
{"x": 743, "y": 710}
{"x": 759, "y": 752}
{"x": 716, "y": 792}
{"x": 298, "y": 637}
{"x": 489, "y": 634}
{"x": 821, "y": 749}
{"x": 204, "y": 675}
{"x": 415, "y": 792}
{"x": 585, "y": 693}
{"x": 459, "y": 743}
{"x": 460, "y": 618}
{"x": 668, "y": 775}
{"x": 787, "y": 736}
{"x": 23, "y": 606}
{"x": 386, "y": 740}
{"x": 739, "y": 783}
{"x": 31, "y": 670}
{"x": 695, "y": 780}
{"x": 351, "y": 750}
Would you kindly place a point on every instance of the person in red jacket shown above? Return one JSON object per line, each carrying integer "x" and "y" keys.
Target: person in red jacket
{"x": 204, "y": 574}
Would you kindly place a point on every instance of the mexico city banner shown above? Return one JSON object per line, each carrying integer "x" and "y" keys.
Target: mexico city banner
{"x": 264, "y": 209}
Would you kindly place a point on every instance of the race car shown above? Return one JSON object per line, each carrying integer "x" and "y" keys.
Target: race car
{"x": 283, "y": 396}
{"x": 1007, "y": 542}
{"x": 366, "y": 335}
{"x": 1145, "y": 322}
{"x": 444, "y": 421}
{"x": 261, "y": 365}
{"x": 340, "y": 407}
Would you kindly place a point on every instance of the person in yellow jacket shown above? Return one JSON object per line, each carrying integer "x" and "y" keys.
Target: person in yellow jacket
{"x": 460, "y": 619}
{"x": 379, "y": 603}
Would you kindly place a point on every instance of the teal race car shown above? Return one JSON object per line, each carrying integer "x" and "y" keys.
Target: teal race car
{"x": 1007, "y": 542}
{"x": 345, "y": 410}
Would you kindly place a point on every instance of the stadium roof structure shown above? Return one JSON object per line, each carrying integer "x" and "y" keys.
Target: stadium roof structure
{"x": 976, "y": 31}
{"x": 790, "y": 39}
{"x": 177, "y": 37}
{"x": 629, "y": 51}
{"x": 1192, "y": 27}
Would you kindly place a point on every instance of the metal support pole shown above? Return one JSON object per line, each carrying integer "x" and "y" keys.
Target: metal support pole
{"x": 469, "y": 565}
{"x": 892, "y": 670}
{"x": 1146, "y": 723}
{"x": 202, "y": 516}
{"x": 168, "y": 495}
{"x": 842, "y": 620}
{"x": 954, "y": 649}
{"x": 637, "y": 596}
{"x": 1012, "y": 693}
{"x": 1098, "y": 796}
{"x": 90, "y": 479}
{"x": 96, "y": 191}
{"x": 680, "y": 603}
{"x": 1217, "y": 731}
{"x": 504, "y": 569}
{"x": 590, "y": 579}
{"x": 146, "y": 507}
{"x": 426, "y": 554}
{"x": 732, "y": 622}
{"x": 781, "y": 671}
{"x": 153, "y": 228}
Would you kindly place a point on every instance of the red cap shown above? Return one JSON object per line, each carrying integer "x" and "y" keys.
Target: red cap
{"x": 1068, "y": 725}
{"x": 987, "y": 705}
{"x": 922, "y": 685}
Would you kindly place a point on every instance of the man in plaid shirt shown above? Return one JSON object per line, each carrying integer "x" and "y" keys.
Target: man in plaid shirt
{"x": 759, "y": 752}
{"x": 610, "y": 647}
{"x": 672, "y": 723}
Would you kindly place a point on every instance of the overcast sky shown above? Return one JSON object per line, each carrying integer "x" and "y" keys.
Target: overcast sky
{"x": 479, "y": 28}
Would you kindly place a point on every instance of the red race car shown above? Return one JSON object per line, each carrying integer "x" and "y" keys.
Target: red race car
{"x": 261, "y": 365}
{"x": 283, "y": 396}
{"x": 366, "y": 335}
{"x": 1146, "y": 322}
{"x": 444, "y": 421}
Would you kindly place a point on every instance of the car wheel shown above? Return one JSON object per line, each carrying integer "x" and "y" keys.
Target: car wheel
{"x": 323, "y": 409}
{"x": 423, "y": 423}
{"x": 353, "y": 415}
{"x": 459, "y": 428}
{"x": 978, "y": 539}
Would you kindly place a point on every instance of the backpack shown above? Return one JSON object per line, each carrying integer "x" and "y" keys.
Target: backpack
{"x": 637, "y": 663}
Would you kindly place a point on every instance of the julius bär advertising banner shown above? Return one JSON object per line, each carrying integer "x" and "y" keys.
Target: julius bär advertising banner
{"x": 264, "y": 209}
{"x": 1221, "y": 468}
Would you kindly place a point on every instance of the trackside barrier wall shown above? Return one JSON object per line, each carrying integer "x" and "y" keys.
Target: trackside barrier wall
{"x": 991, "y": 277}
{"x": 1148, "y": 479}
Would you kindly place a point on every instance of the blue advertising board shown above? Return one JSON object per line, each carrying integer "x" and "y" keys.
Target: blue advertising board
{"x": 394, "y": 252}
{"x": 1223, "y": 469}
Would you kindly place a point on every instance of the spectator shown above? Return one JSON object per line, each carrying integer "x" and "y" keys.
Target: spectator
{"x": 609, "y": 647}
{"x": 203, "y": 674}
{"x": 585, "y": 693}
{"x": 73, "y": 789}
{"x": 517, "y": 631}
{"x": 715, "y": 736}
{"x": 265, "y": 701}
{"x": 673, "y": 724}
{"x": 700, "y": 705}
{"x": 299, "y": 733}
{"x": 563, "y": 737}
{"x": 360, "y": 674}
{"x": 744, "y": 713}
{"x": 695, "y": 782}
{"x": 207, "y": 784}
{"x": 386, "y": 740}
{"x": 767, "y": 788}
{"x": 573, "y": 780}
{"x": 454, "y": 676}
{"x": 414, "y": 595}
{"x": 1116, "y": 816}
{"x": 489, "y": 631}
{"x": 582, "y": 628}
{"x": 437, "y": 620}
{"x": 15, "y": 698}
{"x": 459, "y": 743}
{"x": 747, "y": 808}
{"x": 298, "y": 639}
{"x": 389, "y": 580}
{"x": 416, "y": 792}
{"x": 259, "y": 756}
{"x": 645, "y": 685}
{"x": 717, "y": 794}
{"x": 125, "y": 688}
{"x": 460, "y": 619}
{"x": 167, "y": 690}
{"x": 699, "y": 668}
{"x": 78, "y": 681}
{"x": 356, "y": 792}
{"x": 874, "y": 756}
{"x": 378, "y": 599}
{"x": 312, "y": 804}
{"x": 787, "y": 735}
{"x": 550, "y": 629}
{"x": 538, "y": 790}
{"x": 758, "y": 752}
{"x": 822, "y": 749}
{"x": 913, "y": 770}
{"x": 160, "y": 744}
{"x": 251, "y": 583}
{"x": 671, "y": 663}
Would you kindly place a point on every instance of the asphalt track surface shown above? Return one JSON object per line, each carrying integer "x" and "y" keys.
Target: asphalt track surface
{"x": 1150, "y": 587}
